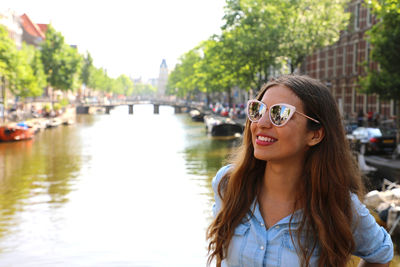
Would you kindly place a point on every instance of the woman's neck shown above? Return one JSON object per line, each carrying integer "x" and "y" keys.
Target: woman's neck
{"x": 281, "y": 181}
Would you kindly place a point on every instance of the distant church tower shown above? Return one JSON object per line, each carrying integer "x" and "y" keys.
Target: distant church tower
{"x": 162, "y": 78}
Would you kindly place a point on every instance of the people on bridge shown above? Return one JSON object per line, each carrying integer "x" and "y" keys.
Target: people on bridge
{"x": 291, "y": 195}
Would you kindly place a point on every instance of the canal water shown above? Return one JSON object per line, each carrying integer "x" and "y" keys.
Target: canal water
{"x": 111, "y": 190}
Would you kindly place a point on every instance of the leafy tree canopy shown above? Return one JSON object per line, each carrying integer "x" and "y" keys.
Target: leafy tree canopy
{"x": 61, "y": 62}
{"x": 384, "y": 38}
{"x": 8, "y": 53}
{"x": 259, "y": 38}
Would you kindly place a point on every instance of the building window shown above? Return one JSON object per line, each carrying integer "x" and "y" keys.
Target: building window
{"x": 334, "y": 60}
{"x": 327, "y": 52}
{"x": 393, "y": 108}
{"x": 355, "y": 57}
{"x": 357, "y": 16}
{"x": 353, "y": 100}
{"x": 369, "y": 17}
{"x": 367, "y": 53}
{"x": 344, "y": 61}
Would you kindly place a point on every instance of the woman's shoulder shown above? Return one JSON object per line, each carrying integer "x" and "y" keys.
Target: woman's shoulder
{"x": 358, "y": 206}
{"x": 221, "y": 173}
{"x": 372, "y": 242}
{"x": 215, "y": 182}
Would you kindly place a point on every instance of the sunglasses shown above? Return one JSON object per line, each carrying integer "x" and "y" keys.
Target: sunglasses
{"x": 279, "y": 114}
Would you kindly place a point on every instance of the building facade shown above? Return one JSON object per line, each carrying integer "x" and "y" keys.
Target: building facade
{"x": 32, "y": 33}
{"x": 162, "y": 79}
{"x": 340, "y": 65}
{"x": 11, "y": 21}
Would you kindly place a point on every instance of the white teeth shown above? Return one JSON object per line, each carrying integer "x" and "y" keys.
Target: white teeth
{"x": 265, "y": 139}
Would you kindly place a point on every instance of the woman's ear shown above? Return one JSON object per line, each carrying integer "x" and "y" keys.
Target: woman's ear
{"x": 316, "y": 136}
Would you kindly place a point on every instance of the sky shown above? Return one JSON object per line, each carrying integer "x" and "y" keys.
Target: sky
{"x": 128, "y": 37}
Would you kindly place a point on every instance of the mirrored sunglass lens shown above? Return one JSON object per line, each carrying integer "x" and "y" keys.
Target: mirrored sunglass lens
{"x": 255, "y": 110}
{"x": 279, "y": 114}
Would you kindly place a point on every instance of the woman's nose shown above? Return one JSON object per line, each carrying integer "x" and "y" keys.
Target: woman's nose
{"x": 265, "y": 121}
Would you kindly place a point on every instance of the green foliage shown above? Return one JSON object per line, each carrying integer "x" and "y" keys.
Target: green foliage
{"x": 28, "y": 71}
{"x": 258, "y": 39}
{"x": 87, "y": 69}
{"x": 47, "y": 107}
{"x": 61, "y": 62}
{"x": 37, "y": 68}
{"x": 384, "y": 38}
{"x": 218, "y": 70}
{"x": 252, "y": 31}
{"x": 311, "y": 25}
{"x": 21, "y": 69}
{"x": 141, "y": 89}
{"x": 285, "y": 28}
{"x": 124, "y": 85}
{"x": 57, "y": 106}
{"x": 8, "y": 53}
{"x": 64, "y": 102}
{"x": 30, "y": 79}
{"x": 24, "y": 82}
{"x": 183, "y": 79}
{"x": 99, "y": 80}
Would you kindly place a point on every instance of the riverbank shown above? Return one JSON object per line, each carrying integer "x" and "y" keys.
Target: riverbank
{"x": 18, "y": 130}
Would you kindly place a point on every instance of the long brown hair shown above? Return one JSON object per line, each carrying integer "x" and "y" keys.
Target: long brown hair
{"x": 330, "y": 173}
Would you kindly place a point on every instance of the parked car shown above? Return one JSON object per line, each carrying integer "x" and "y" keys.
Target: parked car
{"x": 350, "y": 127}
{"x": 370, "y": 140}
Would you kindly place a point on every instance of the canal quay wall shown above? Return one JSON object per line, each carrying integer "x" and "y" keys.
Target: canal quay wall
{"x": 66, "y": 115}
{"x": 387, "y": 168}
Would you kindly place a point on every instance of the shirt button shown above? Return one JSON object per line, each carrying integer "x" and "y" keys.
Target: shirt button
{"x": 261, "y": 224}
{"x": 277, "y": 227}
{"x": 262, "y": 247}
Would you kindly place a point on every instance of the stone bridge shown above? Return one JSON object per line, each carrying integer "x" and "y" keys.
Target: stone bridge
{"x": 179, "y": 105}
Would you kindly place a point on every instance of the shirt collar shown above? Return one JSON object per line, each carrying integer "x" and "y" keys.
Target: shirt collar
{"x": 255, "y": 212}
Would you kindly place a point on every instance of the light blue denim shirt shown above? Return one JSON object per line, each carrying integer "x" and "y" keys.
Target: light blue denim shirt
{"x": 254, "y": 245}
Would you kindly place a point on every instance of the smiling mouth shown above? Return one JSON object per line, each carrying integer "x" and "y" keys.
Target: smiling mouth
{"x": 266, "y": 139}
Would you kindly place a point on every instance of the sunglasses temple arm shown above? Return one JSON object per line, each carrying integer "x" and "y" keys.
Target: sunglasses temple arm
{"x": 314, "y": 120}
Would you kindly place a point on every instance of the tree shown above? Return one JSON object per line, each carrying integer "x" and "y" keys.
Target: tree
{"x": 142, "y": 89}
{"x": 124, "y": 85}
{"x": 258, "y": 39}
{"x": 253, "y": 30}
{"x": 310, "y": 25}
{"x": 87, "y": 69}
{"x": 182, "y": 80}
{"x": 8, "y": 61}
{"x": 384, "y": 38}
{"x": 291, "y": 29}
{"x": 7, "y": 54}
{"x": 37, "y": 68}
{"x": 29, "y": 76}
{"x": 61, "y": 62}
{"x": 217, "y": 71}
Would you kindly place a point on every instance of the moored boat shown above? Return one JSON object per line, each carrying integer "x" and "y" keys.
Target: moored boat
{"x": 69, "y": 121}
{"x": 221, "y": 126}
{"x": 15, "y": 133}
{"x": 196, "y": 115}
{"x": 227, "y": 129}
{"x": 54, "y": 122}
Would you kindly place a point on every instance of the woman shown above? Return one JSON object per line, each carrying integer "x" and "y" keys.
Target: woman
{"x": 291, "y": 196}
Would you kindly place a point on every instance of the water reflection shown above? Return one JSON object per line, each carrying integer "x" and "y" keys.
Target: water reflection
{"x": 112, "y": 190}
{"x": 36, "y": 172}
{"x": 205, "y": 155}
